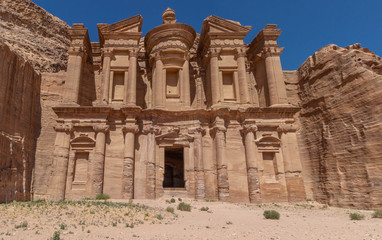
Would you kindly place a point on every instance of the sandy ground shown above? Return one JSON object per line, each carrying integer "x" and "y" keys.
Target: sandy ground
{"x": 150, "y": 220}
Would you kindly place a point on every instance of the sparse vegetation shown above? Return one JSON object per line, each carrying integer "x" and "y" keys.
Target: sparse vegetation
{"x": 170, "y": 209}
{"x": 204, "y": 209}
{"x": 356, "y": 216}
{"x": 56, "y": 235}
{"x": 271, "y": 214}
{"x": 184, "y": 207}
{"x": 102, "y": 196}
{"x": 22, "y": 225}
{"x": 62, "y": 226}
{"x": 172, "y": 200}
{"x": 377, "y": 214}
{"x": 159, "y": 216}
{"x": 229, "y": 223}
{"x": 179, "y": 199}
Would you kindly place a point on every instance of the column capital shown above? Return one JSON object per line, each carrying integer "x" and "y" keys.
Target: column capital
{"x": 151, "y": 129}
{"x": 197, "y": 130}
{"x": 218, "y": 129}
{"x": 65, "y": 127}
{"x": 249, "y": 128}
{"x": 76, "y": 51}
{"x": 107, "y": 52}
{"x": 156, "y": 56}
{"x": 240, "y": 52}
{"x": 273, "y": 51}
{"x": 133, "y": 52}
{"x": 130, "y": 128}
{"x": 214, "y": 52}
{"x": 101, "y": 128}
{"x": 284, "y": 128}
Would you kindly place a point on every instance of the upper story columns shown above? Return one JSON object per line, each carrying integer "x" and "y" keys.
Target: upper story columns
{"x": 265, "y": 52}
{"x": 79, "y": 53}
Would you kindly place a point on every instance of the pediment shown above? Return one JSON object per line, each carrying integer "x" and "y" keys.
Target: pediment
{"x": 214, "y": 24}
{"x": 133, "y": 24}
{"x": 174, "y": 138}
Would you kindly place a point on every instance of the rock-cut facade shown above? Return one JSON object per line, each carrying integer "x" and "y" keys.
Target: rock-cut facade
{"x": 204, "y": 116}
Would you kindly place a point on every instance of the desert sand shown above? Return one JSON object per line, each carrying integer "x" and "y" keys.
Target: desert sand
{"x": 148, "y": 219}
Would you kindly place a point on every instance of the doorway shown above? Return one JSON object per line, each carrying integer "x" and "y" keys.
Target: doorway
{"x": 174, "y": 168}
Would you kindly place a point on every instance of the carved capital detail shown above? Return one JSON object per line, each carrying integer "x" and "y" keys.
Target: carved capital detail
{"x": 286, "y": 128}
{"x": 151, "y": 129}
{"x": 240, "y": 52}
{"x": 197, "y": 130}
{"x": 214, "y": 52}
{"x": 249, "y": 128}
{"x": 130, "y": 128}
{"x": 133, "y": 52}
{"x": 76, "y": 51}
{"x": 274, "y": 51}
{"x": 101, "y": 128}
{"x": 107, "y": 52}
{"x": 66, "y": 127}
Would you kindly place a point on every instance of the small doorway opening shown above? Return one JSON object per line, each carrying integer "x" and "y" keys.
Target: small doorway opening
{"x": 174, "y": 168}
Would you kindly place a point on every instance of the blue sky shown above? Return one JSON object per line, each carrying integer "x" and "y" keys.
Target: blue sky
{"x": 307, "y": 25}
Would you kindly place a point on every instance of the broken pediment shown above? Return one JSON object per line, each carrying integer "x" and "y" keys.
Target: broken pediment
{"x": 130, "y": 27}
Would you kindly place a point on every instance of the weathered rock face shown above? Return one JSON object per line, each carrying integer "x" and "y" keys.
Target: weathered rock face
{"x": 34, "y": 34}
{"x": 42, "y": 39}
{"x": 19, "y": 125}
{"x": 341, "y": 126}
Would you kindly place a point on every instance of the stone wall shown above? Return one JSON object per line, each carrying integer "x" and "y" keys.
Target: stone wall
{"x": 341, "y": 127}
{"x": 19, "y": 125}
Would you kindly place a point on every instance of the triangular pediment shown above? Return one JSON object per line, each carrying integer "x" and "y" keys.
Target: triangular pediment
{"x": 133, "y": 24}
{"x": 214, "y": 24}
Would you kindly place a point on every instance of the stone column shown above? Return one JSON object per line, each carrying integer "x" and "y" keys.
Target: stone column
{"x": 158, "y": 85}
{"x": 131, "y": 98}
{"x": 214, "y": 68}
{"x": 275, "y": 76}
{"x": 199, "y": 166}
{"x": 57, "y": 182}
{"x": 249, "y": 131}
{"x": 99, "y": 159}
{"x": 107, "y": 55}
{"x": 242, "y": 74}
{"x": 74, "y": 72}
{"x": 186, "y": 81}
{"x": 150, "y": 131}
{"x": 130, "y": 129}
{"x": 219, "y": 139}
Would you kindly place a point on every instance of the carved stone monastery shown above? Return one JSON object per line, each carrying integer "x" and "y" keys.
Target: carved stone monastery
{"x": 204, "y": 116}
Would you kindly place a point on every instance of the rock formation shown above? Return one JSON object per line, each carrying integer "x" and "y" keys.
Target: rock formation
{"x": 341, "y": 126}
{"x": 34, "y": 34}
{"x": 41, "y": 39}
{"x": 19, "y": 125}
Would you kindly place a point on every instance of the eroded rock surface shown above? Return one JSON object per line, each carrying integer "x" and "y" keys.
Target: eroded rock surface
{"x": 19, "y": 125}
{"x": 341, "y": 127}
{"x": 34, "y": 34}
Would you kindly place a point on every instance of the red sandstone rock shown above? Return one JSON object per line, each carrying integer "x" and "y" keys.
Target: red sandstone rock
{"x": 341, "y": 128}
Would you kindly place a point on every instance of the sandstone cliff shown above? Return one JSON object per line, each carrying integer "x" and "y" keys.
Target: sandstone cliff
{"x": 34, "y": 34}
{"x": 19, "y": 125}
{"x": 341, "y": 126}
{"x": 43, "y": 40}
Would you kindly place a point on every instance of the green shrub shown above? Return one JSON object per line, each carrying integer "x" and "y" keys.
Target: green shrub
{"x": 356, "y": 216}
{"x": 179, "y": 199}
{"x": 271, "y": 214}
{"x": 103, "y": 196}
{"x": 62, "y": 226}
{"x": 170, "y": 209}
{"x": 22, "y": 225}
{"x": 159, "y": 216}
{"x": 377, "y": 214}
{"x": 56, "y": 235}
{"x": 172, "y": 200}
{"x": 184, "y": 207}
{"x": 204, "y": 209}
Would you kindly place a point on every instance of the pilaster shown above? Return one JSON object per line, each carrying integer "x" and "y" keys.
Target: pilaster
{"x": 198, "y": 133}
{"x": 98, "y": 165}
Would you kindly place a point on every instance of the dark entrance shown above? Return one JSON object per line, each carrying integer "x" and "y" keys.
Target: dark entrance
{"x": 174, "y": 168}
